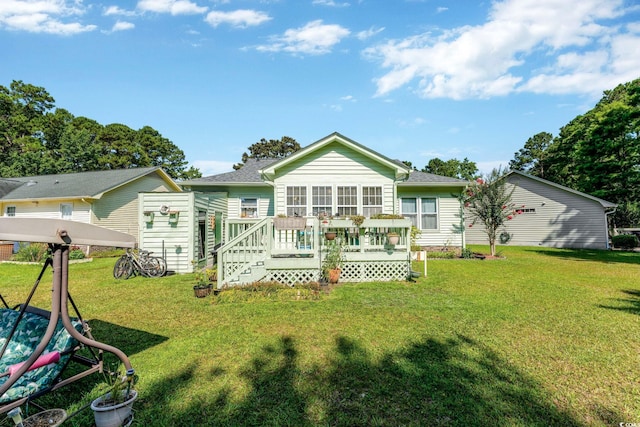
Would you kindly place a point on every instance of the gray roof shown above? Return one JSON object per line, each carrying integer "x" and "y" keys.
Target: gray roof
{"x": 7, "y": 185}
{"x": 70, "y": 185}
{"x": 248, "y": 174}
{"x": 417, "y": 178}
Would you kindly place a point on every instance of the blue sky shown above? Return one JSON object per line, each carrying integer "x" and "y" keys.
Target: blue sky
{"x": 410, "y": 79}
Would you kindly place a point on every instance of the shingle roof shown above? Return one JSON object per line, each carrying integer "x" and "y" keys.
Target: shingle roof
{"x": 248, "y": 174}
{"x": 72, "y": 185}
{"x": 417, "y": 177}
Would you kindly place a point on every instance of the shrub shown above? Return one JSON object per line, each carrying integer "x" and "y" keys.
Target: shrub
{"x": 31, "y": 252}
{"x": 76, "y": 254}
{"x": 625, "y": 241}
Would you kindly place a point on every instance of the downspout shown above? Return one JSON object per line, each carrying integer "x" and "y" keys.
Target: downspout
{"x": 606, "y": 226}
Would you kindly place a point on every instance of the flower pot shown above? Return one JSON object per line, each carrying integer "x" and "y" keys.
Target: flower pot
{"x": 393, "y": 239}
{"x": 334, "y": 275}
{"x": 201, "y": 291}
{"x": 330, "y": 235}
{"x": 106, "y": 415}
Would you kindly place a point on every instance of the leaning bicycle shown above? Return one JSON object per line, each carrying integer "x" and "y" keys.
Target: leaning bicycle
{"x": 139, "y": 262}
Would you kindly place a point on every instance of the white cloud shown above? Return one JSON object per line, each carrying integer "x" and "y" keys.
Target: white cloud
{"x": 331, "y": 3}
{"x": 241, "y": 18}
{"x": 115, "y": 10}
{"x": 122, "y": 26}
{"x": 43, "y": 16}
{"x": 315, "y": 38}
{"x": 174, "y": 7}
{"x": 497, "y": 57}
{"x": 486, "y": 167}
{"x": 441, "y": 9}
{"x": 364, "y": 35}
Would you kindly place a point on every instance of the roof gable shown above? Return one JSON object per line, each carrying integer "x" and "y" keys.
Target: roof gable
{"x": 400, "y": 169}
{"x": 79, "y": 185}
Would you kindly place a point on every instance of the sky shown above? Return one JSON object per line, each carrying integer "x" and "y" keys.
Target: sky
{"x": 410, "y": 79}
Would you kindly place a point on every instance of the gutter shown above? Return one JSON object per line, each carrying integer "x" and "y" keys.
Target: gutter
{"x": 606, "y": 225}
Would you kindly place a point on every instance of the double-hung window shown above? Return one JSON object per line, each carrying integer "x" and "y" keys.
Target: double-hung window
{"x": 296, "y": 201}
{"x": 11, "y": 211}
{"x": 423, "y": 212}
{"x": 347, "y": 201}
{"x": 371, "y": 201}
{"x": 66, "y": 210}
{"x": 321, "y": 200}
{"x": 249, "y": 207}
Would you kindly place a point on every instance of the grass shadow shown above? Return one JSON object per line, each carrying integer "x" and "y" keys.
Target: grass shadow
{"x": 604, "y": 256}
{"x": 450, "y": 382}
{"x": 631, "y": 304}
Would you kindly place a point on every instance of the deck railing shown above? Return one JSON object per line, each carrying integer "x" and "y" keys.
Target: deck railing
{"x": 251, "y": 241}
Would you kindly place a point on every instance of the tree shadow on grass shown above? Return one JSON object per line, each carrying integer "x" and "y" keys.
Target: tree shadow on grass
{"x": 599, "y": 255}
{"x": 631, "y": 304}
{"x": 450, "y": 382}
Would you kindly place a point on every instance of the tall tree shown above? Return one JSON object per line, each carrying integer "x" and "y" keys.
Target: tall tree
{"x": 271, "y": 149}
{"x": 532, "y": 158}
{"x": 453, "y": 168}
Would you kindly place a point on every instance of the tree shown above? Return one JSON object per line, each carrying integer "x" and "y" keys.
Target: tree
{"x": 488, "y": 201}
{"x": 532, "y": 157}
{"x": 453, "y": 168}
{"x": 271, "y": 149}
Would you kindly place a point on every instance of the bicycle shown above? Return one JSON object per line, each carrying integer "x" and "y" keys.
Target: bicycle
{"x": 140, "y": 262}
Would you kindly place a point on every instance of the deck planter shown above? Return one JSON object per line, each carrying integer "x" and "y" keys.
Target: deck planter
{"x": 290, "y": 223}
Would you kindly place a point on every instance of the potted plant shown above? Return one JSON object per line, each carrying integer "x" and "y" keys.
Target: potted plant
{"x": 332, "y": 262}
{"x": 393, "y": 237}
{"x": 203, "y": 287}
{"x": 325, "y": 218}
{"x": 114, "y": 408}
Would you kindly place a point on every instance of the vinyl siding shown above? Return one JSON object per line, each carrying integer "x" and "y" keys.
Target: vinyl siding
{"x": 448, "y": 207}
{"x": 335, "y": 165}
{"x": 51, "y": 209}
{"x": 562, "y": 219}
{"x": 264, "y": 196}
{"x": 118, "y": 209}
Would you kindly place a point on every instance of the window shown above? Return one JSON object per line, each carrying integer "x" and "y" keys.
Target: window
{"x": 249, "y": 208}
{"x": 347, "y": 201}
{"x": 66, "y": 210}
{"x": 371, "y": 201}
{"x": 296, "y": 201}
{"x": 410, "y": 210}
{"x": 429, "y": 214}
{"x": 424, "y": 209}
{"x": 11, "y": 211}
{"x": 527, "y": 210}
{"x": 321, "y": 200}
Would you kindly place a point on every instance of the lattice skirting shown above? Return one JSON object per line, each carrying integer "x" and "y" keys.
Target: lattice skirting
{"x": 363, "y": 271}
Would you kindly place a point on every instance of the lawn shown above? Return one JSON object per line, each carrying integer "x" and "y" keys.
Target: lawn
{"x": 542, "y": 337}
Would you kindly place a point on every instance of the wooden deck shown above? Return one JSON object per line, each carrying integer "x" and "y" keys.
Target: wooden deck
{"x": 261, "y": 250}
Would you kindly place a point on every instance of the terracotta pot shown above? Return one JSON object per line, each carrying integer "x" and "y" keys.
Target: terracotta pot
{"x": 330, "y": 235}
{"x": 334, "y": 275}
{"x": 393, "y": 239}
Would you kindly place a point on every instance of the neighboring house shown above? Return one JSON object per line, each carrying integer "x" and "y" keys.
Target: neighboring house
{"x": 105, "y": 198}
{"x": 342, "y": 178}
{"x": 552, "y": 216}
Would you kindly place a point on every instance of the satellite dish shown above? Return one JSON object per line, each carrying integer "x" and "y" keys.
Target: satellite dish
{"x": 164, "y": 209}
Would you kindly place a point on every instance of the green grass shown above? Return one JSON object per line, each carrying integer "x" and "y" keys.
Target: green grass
{"x": 542, "y": 337}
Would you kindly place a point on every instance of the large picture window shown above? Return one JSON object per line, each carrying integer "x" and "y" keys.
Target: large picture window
{"x": 371, "y": 201}
{"x": 347, "y": 201}
{"x": 296, "y": 201}
{"x": 321, "y": 200}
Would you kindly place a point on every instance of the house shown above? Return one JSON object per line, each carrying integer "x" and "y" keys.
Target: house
{"x": 552, "y": 216}
{"x": 335, "y": 177}
{"x": 105, "y": 198}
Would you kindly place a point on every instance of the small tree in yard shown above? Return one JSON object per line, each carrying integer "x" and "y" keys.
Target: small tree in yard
{"x": 488, "y": 201}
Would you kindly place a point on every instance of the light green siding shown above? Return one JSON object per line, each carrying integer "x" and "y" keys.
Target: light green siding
{"x": 263, "y": 194}
{"x": 118, "y": 209}
{"x": 448, "y": 214}
{"x": 335, "y": 165}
